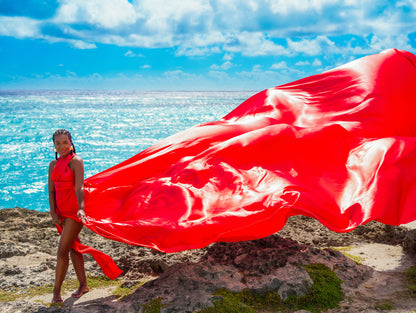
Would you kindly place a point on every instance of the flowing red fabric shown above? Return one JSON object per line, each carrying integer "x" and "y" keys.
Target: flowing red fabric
{"x": 339, "y": 146}
{"x": 67, "y": 207}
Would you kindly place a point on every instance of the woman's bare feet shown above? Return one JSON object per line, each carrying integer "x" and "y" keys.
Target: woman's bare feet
{"x": 80, "y": 291}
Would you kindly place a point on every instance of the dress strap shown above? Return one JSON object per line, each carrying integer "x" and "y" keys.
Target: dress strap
{"x": 60, "y": 166}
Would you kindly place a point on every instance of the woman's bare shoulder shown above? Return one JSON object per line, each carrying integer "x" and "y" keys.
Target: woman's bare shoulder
{"x": 52, "y": 166}
{"x": 77, "y": 158}
{"x": 77, "y": 161}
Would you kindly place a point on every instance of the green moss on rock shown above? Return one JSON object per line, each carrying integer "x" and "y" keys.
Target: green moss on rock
{"x": 326, "y": 293}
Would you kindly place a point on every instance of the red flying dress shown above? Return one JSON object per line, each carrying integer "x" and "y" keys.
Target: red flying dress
{"x": 67, "y": 207}
{"x": 339, "y": 146}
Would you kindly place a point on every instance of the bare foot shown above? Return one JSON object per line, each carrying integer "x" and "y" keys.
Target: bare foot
{"x": 80, "y": 291}
{"x": 57, "y": 299}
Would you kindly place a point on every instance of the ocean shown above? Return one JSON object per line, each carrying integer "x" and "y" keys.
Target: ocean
{"x": 108, "y": 127}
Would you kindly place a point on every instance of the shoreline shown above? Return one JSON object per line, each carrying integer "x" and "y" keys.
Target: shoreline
{"x": 29, "y": 242}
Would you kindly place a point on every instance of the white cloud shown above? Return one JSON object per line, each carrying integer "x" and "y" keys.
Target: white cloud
{"x": 130, "y": 54}
{"x": 317, "y": 62}
{"x": 279, "y": 66}
{"x": 96, "y": 76}
{"x": 302, "y": 63}
{"x": 256, "y": 68}
{"x": 378, "y": 43}
{"x": 22, "y": 27}
{"x": 161, "y": 16}
{"x": 285, "y": 7}
{"x": 103, "y": 13}
{"x": 197, "y": 51}
{"x": 218, "y": 75}
{"x": 79, "y": 44}
{"x": 200, "y": 44}
{"x": 406, "y": 3}
{"x": 253, "y": 44}
{"x": 177, "y": 74}
{"x": 19, "y": 27}
{"x": 227, "y": 57}
{"x": 71, "y": 74}
{"x": 257, "y": 78}
{"x": 247, "y": 43}
{"x": 250, "y": 28}
{"x": 225, "y": 66}
{"x": 145, "y": 66}
{"x": 205, "y": 39}
{"x": 136, "y": 40}
{"x": 312, "y": 46}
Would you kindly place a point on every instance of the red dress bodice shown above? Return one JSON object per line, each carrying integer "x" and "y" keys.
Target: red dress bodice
{"x": 65, "y": 196}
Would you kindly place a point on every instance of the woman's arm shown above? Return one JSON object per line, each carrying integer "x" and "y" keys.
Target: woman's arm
{"x": 52, "y": 200}
{"x": 77, "y": 166}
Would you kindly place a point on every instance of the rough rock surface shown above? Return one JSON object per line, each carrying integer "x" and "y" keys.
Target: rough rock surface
{"x": 187, "y": 279}
{"x": 268, "y": 264}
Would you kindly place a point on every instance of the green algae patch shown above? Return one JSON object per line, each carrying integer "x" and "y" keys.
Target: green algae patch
{"x": 385, "y": 305}
{"x": 121, "y": 292}
{"x": 411, "y": 279}
{"x": 244, "y": 302}
{"x": 14, "y": 293}
{"x": 325, "y": 293}
{"x": 153, "y": 306}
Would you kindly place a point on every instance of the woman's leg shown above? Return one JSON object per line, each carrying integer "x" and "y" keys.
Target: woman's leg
{"x": 78, "y": 263}
{"x": 70, "y": 232}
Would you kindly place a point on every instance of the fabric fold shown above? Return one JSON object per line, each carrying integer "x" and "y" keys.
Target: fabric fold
{"x": 106, "y": 263}
{"x": 338, "y": 146}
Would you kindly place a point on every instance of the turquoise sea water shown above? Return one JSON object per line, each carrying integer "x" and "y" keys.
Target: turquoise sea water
{"x": 107, "y": 128}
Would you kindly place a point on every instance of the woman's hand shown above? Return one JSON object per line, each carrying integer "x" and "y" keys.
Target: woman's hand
{"x": 56, "y": 219}
{"x": 81, "y": 215}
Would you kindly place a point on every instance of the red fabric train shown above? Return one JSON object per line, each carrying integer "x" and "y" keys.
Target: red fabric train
{"x": 339, "y": 146}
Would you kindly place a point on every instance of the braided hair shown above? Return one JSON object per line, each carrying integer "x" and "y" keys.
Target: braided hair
{"x": 63, "y": 132}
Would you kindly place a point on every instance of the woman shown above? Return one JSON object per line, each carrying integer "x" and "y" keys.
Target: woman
{"x": 66, "y": 201}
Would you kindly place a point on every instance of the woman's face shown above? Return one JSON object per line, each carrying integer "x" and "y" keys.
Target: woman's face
{"x": 62, "y": 145}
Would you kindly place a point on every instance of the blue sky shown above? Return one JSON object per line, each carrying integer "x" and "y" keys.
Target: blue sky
{"x": 191, "y": 44}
